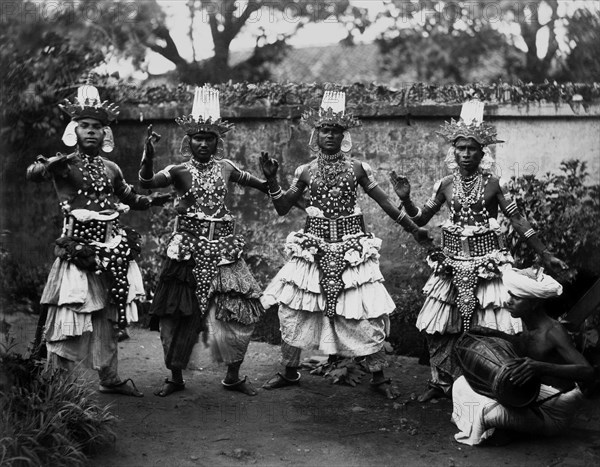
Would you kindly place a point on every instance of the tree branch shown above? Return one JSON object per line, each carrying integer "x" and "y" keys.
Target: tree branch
{"x": 169, "y": 51}
{"x": 239, "y": 23}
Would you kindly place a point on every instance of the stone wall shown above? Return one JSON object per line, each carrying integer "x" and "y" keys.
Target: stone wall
{"x": 538, "y": 138}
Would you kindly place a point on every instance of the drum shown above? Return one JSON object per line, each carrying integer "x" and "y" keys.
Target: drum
{"x": 484, "y": 361}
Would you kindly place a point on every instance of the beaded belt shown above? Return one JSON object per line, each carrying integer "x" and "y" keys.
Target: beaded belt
{"x": 92, "y": 230}
{"x": 333, "y": 230}
{"x": 476, "y": 245}
{"x": 212, "y": 230}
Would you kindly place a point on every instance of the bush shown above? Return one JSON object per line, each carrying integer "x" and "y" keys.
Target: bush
{"x": 21, "y": 285}
{"x": 46, "y": 417}
{"x": 565, "y": 212}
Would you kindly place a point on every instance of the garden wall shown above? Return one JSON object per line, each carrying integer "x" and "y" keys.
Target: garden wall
{"x": 538, "y": 137}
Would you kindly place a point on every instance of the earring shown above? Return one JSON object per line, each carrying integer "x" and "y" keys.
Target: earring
{"x": 184, "y": 148}
{"x": 220, "y": 149}
{"x": 346, "y": 145}
{"x": 109, "y": 140}
{"x": 450, "y": 160}
{"x": 487, "y": 164}
{"x": 69, "y": 137}
{"x": 312, "y": 145}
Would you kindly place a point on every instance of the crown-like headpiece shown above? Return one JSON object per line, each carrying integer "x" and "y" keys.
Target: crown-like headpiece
{"x": 470, "y": 125}
{"x": 206, "y": 114}
{"x": 331, "y": 112}
{"x": 87, "y": 104}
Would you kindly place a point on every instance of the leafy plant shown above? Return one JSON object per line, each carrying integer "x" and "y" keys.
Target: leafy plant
{"x": 342, "y": 370}
{"x": 271, "y": 94}
{"x": 21, "y": 284}
{"x": 566, "y": 213}
{"x": 48, "y": 417}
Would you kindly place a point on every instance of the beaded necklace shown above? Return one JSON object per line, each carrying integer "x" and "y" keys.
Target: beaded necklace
{"x": 332, "y": 185}
{"x": 467, "y": 191}
{"x": 96, "y": 184}
{"x": 208, "y": 186}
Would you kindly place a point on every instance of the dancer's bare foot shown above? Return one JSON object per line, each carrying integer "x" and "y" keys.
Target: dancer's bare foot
{"x": 279, "y": 381}
{"x": 243, "y": 385}
{"x": 385, "y": 388}
{"x": 169, "y": 387}
{"x": 121, "y": 388}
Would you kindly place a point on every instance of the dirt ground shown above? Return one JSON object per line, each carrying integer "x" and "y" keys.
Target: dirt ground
{"x": 316, "y": 423}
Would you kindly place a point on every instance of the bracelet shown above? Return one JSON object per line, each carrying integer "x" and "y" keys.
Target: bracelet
{"x": 511, "y": 209}
{"x": 276, "y": 194}
{"x": 142, "y": 179}
{"x": 418, "y": 214}
{"x": 529, "y": 233}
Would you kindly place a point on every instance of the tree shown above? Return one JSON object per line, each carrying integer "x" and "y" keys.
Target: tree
{"x": 226, "y": 19}
{"x": 465, "y": 41}
{"x": 583, "y": 62}
{"x": 40, "y": 60}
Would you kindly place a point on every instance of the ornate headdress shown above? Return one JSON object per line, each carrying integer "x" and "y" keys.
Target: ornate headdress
{"x": 470, "y": 125}
{"x": 331, "y": 112}
{"x": 87, "y": 104}
{"x": 206, "y": 114}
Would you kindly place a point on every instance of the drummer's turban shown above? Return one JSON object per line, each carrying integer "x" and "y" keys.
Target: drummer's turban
{"x": 525, "y": 283}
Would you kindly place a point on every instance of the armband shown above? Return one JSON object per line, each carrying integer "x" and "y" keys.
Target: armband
{"x": 370, "y": 186}
{"x": 432, "y": 203}
{"x": 244, "y": 178}
{"x": 401, "y": 216}
{"x": 166, "y": 172}
{"x": 511, "y": 209}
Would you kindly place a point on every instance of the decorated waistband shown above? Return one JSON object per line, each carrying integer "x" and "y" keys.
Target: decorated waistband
{"x": 92, "y": 230}
{"x": 471, "y": 246}
{"x": 334, "y": 230}
{"x": 211, "y": 229}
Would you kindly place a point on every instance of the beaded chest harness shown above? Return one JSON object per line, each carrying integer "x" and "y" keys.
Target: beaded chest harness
{"x": 97, "y": 187}
{"x": 332, "y": 185}
{"x": 467, "y": 255}
{"x": 208, "y": 187}
{"x": 467, "y": 192}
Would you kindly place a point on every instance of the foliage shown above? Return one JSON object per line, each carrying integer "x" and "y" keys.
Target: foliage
{"x": 341, "y": 370}
{"x": 154, "y": 245}
{"x": 269, "y": 94}
{"x": 21, "y": 284}
{"x": 146, "y": 29}
{"x": 566, "y": 213}
{"x": 582, "y": 64}
{"x": 39, "y": 63}
{"x": 441, "y": 42}
{"x": 47, "y": 418}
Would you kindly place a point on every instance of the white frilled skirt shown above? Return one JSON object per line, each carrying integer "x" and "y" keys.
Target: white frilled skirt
{"x": 72, "y": 295}
{"x": 440, "y": 313}
{"x": 361, "y": 322}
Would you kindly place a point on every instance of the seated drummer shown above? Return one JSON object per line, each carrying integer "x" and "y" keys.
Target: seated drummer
{"x": 547, "y": 353}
